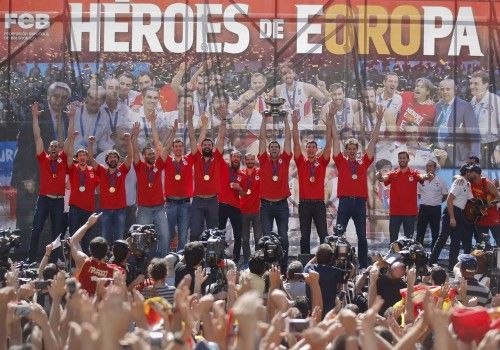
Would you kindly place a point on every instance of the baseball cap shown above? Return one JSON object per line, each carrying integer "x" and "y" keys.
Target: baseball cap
{"x": 474, "y": 168}
{"x": 468, "y": 262}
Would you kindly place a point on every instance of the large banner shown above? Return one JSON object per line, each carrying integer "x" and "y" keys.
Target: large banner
{"x": 432, "y": 66}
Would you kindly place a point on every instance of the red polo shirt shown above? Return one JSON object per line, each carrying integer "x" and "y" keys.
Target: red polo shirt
{"x": 183, "y": 187}
{"x": 403, "y": 195}
{"x": 212, "y": 169}
{"x": 311, "y": 177}
{"x": 52, "y": 173}
{"x": 227, "y": 194}
{"x": 118, "y": 198}
{"x": 86, "y": 179}
{"x": 347, "y": 186}
{"x": 149, "y": 176}
{"x": 274, "y": 190}
{"x": 250, "y": 203}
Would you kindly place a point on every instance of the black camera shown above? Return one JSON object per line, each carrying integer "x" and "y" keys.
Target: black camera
{"x": 214, "y": 241}
{"x": 343, "y": 252}
{"x": 410, "y": 253}
{"x": 9, "y": 240}
{"x": 141, "y": 238}
{"x": 271, "y": 246}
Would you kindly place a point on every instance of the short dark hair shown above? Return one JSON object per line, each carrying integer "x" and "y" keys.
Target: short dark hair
{"x": 382, "y": 163}
{"x": 438, "y": 275}
{"x": 257, "y": 264}
{"x": 302, "y": 304}
{"x": 404, "y": 152}
{"x": 143, "y": 73}
{"x": 207, "y": 139}
{"x": 475, "y": 159}
{"x": 293, "y": 268}
{"x": 336, "y": 86}
{"x": 312, "y": 142}
{"x": 126, "y": 75}
{"x": 157, "y": 269}
{"x": 193, "y": 253}
{"x": 110, "y": 152}
{"x": 324, "y": 254}
{"x": 98, "y": 247}
{"x": 274, "y": 141}
{"x": 50, "y": 271}
{"x": 120, "y": 251}
{"x": 148, "y": 89}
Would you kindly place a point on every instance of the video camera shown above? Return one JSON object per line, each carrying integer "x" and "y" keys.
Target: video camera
{"x": 141, "y": 238}
{"x": 9, "y": 240}
{"x": 410, "y": 253}
{"x": 271, "y": 246}
{"x": 343, "y": 252}
{"x": 214, "y": 241}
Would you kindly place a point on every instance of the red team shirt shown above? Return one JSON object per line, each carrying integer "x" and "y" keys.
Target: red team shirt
{"x": 347, "y": 186}
{"x": 149, "y": 196}
{"x": 270, "y": 189}
{"x": 182, "y": 188}
{"x": 403, "y": 195}
{"x": 227, "y": 194}
{"x": 317, "y": 169}
{"x": 422, "y": 114}
{"x": 250, "y": 203}
{"x": 212, "y": 186}
{"x": 480, "y": 190}
{"x": 88, "y": 178}
{"x": 117, "y": 199}
{"x": 50, "y": 185}
{"x": 93, "y": 268}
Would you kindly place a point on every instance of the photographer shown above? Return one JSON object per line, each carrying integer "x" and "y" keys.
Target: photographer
{"x": 194, "y": 252}
{"x": 329, "y": 276}
{"x": 256, "y": 268}
{"x": 387, "y": 284}
{"x": 121, "y": 253}
{"x": 295, "y": 285}
{"x": 156, "y": 284}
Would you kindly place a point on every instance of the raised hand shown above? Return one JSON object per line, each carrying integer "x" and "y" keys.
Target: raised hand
{"x": 92, "y": 140}
{"x": 411, "y": 276}
{"x": 380, "y": 112}
{"x": 93, "y": 218}
{"x": 189, "y": 111}
{"x": 222, "y": 111}
{"x": 204, "y": 121}
{"x": 72, "y": 109}
{"x": 332, "y": 111}
{"x": 311, "y": 278}
{"x": 35, "y": 112}
{"x": 57, "y": 288}
{"x": 127, "y": 136}
{"x": 151, "y": 117}
{"x": 136, "y": 128}
{"x": 295, "y": 117}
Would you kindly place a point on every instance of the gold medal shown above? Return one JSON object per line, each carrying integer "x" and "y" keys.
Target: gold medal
{"x": 275, "y": 178}
{"x": 150, "y": 185}
{"x": 112, "y": 189}
{"x": 81, "y": 188}
{"x": 206, "y": 177}
{"x": 312, "y": 179}
{"x": 249, "y": 192}
{"x": 177, "y": 177}
{"x": 354, "y": 176}
{"x": 54, "y": 176}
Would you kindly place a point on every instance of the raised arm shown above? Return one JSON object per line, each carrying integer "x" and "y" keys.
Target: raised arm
{"x": 69, "y": 145}
{"x": 71, "y": 122}
{"x": 262, "y": 136}
{"x": 189, "y": 111}
{"x": 313, "y": 91}
{"x": 76, "y": 250}
{"x": 222, "y": 128}
{"x": 331, "y": 111}
{"x": 327, "y": 151}
{"x": 203, "y": 130}
{"x": 135, "y": 144}
{"x": 287, "y": 146}
{"x": 370, "y": 148}
{"x": 130, "y": 150}
{"x": 35, "y": 113}
{"x": 177, "y": 79}
{"x": 297, "y": 150}
{"x": 154, "y": 134}
{"x": 90, "y": 150}
{"x": 170, "y": 141}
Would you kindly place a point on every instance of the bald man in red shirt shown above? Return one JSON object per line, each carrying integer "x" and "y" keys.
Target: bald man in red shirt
{"x": 274, "y": 167}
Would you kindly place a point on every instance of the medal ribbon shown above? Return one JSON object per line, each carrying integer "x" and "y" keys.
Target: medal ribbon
{"x": 232, "y": 174}
{"x": 81, "y": 175}
{"x": 111, "y": 178}
{"x": 206, "y": 165}
{"x": 53, "y": 166}
{"x": 82, "y": 129}
{"x": 250, "y": 180}
{"x": 354, "y": 167}
{"x": 145, "y": 127}
{"x": 312, "y": 168}
{"x": 111, "y": 123}
{"x": 150, "y": 173}
{"x": 291, "y": 102}
{"x": 177, "y": 165}
{"x": 276, "y": 167}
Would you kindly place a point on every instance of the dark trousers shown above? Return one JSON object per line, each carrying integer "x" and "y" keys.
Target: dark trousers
{"x": 46, "y": 206}
{"x": 428, "y": 215}
{"x": 254, "y": 221}
{"x": 270, "y": 211}
{"x": 395, "y": 222}
{"x": 310, "y": 210}
{"x": 204, "y": 214}
{"x": 355, "y": 208}
{"x": 226, "y": 212}
{"x": 495, "y": 231}
{"x": 77, "y": 218}
{"x": 130, "y": 217}
{"x": 461, "y": 233}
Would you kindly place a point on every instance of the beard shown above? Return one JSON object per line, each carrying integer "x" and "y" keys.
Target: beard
{"x": 207, "y": 152}
{"x": 113, "y": 164}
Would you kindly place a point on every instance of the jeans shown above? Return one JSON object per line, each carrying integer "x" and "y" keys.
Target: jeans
{"x": 355, "y": 208}
{"x": 46, "y": 206}
{"x": 270, "y": 211}
{"x": 204, "y": 214}
{"x": 226, "y": 212}
{"x": 310, "y": 210}
{"x": 495, "y": 231}
{"x": 178, "y": 214}
{"x": 157, "y": 216}
{"x": 395, "y": 222}
{"x": 428, "y": 215}
{"x": 247, "y": 220}
{"x": 462, "y": 232}
{"x": 112, "y": 224}
{"x": 77, "y": 218}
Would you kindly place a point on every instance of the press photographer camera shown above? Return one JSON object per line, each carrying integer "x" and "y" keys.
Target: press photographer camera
{"x": 410, "y": 253}
{"x": 9, "y": 240}
{"x": 271, "y": 246}
{"x": 214, "y": 241}
{"x": 343, "y": 252}
{"x": 141, "y": 239}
